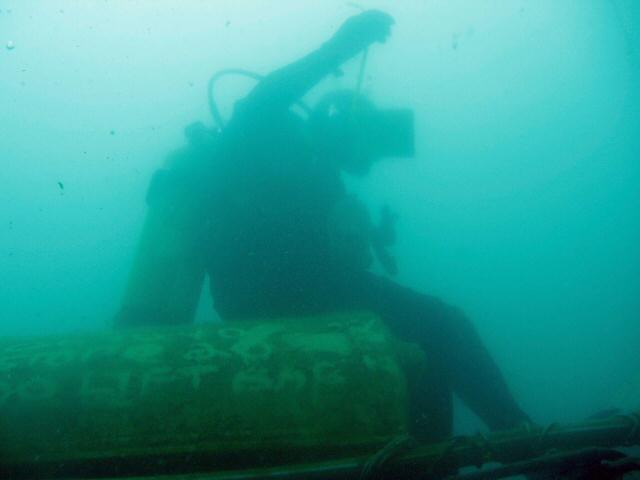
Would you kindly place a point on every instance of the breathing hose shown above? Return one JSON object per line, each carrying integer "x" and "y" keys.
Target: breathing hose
{"x": 213, "y": 106}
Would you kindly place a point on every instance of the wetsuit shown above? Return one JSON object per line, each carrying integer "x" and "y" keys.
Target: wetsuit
{"x": 269, "y": 253}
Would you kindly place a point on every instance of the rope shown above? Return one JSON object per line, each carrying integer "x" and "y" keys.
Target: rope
{"x": 373, "y": 467}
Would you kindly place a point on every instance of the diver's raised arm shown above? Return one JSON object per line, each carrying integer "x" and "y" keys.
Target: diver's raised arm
{"x": 283, "y": 87}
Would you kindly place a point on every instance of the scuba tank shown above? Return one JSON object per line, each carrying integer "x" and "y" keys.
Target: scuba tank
{"x": 165, "y": 281}
{"x": 168, "y": 271}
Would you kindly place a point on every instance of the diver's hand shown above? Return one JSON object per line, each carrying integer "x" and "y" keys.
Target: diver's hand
{"x": 361, "y": 30}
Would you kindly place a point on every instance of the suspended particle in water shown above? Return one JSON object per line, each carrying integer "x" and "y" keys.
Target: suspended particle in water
{"x": 455, "y": 41}
{"x": 61, "y": 185}
{"x": 112, "y": 132}
{"x": 10, "y": 45}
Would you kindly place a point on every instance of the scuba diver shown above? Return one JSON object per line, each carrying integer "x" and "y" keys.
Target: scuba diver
{"x": 287, "y": 239}
{"x": 283, "y": 237}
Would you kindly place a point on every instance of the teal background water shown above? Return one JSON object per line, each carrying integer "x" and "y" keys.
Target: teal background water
{"x": 521, "y": 205}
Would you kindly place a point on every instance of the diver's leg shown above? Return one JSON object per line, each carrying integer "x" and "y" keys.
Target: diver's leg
{"x": 430, "y": 403}
{"x": 450, "y": 341}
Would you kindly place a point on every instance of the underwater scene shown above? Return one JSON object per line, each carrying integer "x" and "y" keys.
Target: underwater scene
{"x": 308, "y": 239}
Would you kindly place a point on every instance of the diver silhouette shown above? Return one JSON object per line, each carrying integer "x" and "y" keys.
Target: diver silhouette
{"x": 287, "y": 239}
{"x": 281, "y": 236}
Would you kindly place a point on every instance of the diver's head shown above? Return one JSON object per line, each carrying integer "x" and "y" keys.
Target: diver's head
{"x": 338, "y": 133}
{"x": 349, "y": 130}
